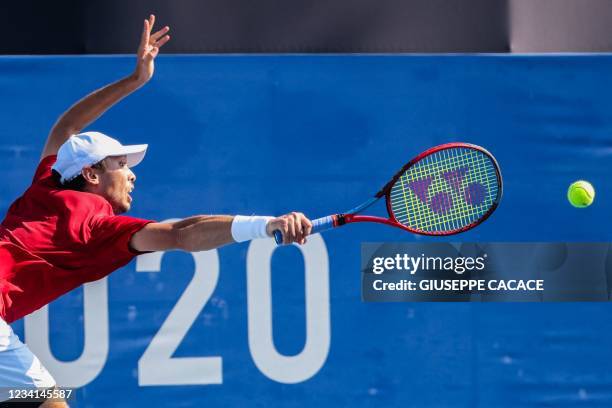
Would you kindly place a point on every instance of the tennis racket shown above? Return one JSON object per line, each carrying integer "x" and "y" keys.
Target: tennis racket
{"x": 445, "y": 190}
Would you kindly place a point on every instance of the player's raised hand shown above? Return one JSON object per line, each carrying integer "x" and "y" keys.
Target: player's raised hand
{"x": 150, "y": 43}
{"x": 294, "y": 226}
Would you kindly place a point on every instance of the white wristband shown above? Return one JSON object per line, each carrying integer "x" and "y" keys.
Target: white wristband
{"x": 247, "y": 228}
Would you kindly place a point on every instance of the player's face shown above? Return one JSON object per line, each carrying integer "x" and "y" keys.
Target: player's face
{"x": 116, "y": 183}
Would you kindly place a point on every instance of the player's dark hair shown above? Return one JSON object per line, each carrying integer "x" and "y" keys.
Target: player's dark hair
{"x": 78, "y": 183}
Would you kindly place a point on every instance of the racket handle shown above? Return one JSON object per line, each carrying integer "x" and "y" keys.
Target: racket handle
{"x": 318, "y": 225}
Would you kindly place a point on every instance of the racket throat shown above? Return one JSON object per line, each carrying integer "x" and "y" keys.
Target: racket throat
{"x": 341, "y": 219}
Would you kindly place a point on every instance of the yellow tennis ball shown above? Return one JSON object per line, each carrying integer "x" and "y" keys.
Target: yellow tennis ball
{"x": 581, "y": 194}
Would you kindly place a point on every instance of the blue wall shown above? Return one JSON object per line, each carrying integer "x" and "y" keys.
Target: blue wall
{"x": 318, "y": 134}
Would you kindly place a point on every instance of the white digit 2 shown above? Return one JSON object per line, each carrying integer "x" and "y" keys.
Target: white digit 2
{"x": 157, "y": 366}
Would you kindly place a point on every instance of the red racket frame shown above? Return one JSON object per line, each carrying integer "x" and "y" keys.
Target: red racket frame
{"x": 341, "y": 219}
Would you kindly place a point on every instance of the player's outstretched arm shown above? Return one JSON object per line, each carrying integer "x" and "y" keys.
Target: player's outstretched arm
{"x": 204, "y": 232}
{"x": 88, "y": 109}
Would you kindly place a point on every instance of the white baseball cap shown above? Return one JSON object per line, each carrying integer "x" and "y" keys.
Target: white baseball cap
{"x": 86, "y": 149}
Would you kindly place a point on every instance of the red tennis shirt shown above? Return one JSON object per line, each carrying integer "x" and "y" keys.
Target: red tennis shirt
{"x": 54, "y": 240}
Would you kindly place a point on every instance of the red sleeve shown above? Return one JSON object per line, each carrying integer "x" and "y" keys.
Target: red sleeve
{"x": 44, "y": 167}
{"x": 111, "y": 235}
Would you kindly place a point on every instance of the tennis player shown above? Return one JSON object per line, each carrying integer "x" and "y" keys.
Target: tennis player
{"x": 66, "y": 230}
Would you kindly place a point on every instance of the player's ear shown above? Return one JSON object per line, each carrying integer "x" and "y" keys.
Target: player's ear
{"x": 90, "y": 175}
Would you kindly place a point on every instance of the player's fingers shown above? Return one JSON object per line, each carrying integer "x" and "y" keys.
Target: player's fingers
{"x": 299, "y": 229}
{"x": 307, "y": 225}
{"x": 144, "y": 38}
{"x": 151, "y": 54}
{"x": 304, "y": 229}
{"x": 162, "y": 41}
{"x": 158, "y": 34}
{"x": 151, "y": 22}
{"x": 290, "y": 230}
{"x": 283, "y": 227}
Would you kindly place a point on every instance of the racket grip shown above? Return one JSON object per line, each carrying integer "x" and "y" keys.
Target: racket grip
{"x": 318, "y": 225}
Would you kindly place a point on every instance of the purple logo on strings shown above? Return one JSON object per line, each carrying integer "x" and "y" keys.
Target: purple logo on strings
{"x": 474, "y": 193}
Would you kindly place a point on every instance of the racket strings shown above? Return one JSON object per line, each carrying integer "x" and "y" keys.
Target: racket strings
{"x": 445, "y": 191}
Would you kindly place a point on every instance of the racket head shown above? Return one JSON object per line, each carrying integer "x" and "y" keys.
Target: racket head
{"x": 445, "y": 190}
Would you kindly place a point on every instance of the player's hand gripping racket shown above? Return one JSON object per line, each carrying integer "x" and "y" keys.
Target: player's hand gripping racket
{"x": 445, "y": 190}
